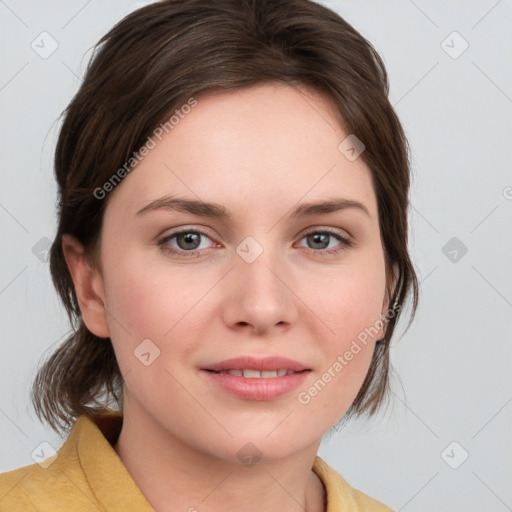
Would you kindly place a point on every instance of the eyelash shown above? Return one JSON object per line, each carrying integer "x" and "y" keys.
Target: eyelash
{"x": 344, "y": 242}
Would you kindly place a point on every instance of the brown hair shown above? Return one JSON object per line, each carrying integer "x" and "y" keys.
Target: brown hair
{"x": 151, "y": 63}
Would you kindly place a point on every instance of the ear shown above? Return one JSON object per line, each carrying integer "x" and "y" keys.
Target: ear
{"x": 88, "y": 284}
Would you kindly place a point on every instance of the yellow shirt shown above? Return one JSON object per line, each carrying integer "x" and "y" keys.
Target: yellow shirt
{"x": 88, "y": 476}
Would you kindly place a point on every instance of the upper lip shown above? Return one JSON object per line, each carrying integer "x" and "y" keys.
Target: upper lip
{"x": 255, "y": 363}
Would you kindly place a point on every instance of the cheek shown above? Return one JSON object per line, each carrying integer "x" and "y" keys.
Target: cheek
{"x": 144, "y": 298}
{"x": 154, "y": 302}
{"x": 350, "y": 307}
{"x": 353, "y": 300}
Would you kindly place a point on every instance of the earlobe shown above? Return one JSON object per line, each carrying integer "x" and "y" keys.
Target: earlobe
{"x": 88, "y": 284}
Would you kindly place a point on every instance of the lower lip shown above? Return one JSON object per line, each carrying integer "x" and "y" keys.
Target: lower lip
{"x": 265, "y": 388}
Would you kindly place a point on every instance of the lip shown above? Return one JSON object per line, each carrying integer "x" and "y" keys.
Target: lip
{"x": 264, "y": 388}
{"x": 254, "y": 363}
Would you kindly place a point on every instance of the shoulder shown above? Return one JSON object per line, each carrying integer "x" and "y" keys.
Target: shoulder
{"x": 57, "y": 488}
{"x": 341, "y": 495}
{"x": 24, "y": 488}
{"x": 12, "y": 498}
{"x": 56, "y": 484}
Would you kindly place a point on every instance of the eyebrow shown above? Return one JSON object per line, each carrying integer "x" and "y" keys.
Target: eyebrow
{"x": 215, "y": 210}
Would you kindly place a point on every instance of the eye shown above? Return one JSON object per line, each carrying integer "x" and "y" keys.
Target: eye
{"x": 326, "y": 241}
{"x": 187, "y": 241}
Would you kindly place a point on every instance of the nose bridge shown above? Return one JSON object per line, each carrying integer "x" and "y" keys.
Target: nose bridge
{"x": 257, "y": 267}
{"x": 260, "y": 294}
{"x": 260, "y": 275}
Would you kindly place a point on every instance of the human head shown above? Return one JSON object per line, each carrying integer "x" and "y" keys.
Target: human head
{"x": 148, "y": 67}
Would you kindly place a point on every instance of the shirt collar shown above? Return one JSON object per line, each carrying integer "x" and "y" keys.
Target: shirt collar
{"x": 109, "y": 479}
{"x": 116, "y": 490}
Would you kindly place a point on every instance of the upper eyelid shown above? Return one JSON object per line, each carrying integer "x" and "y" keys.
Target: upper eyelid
{"x": 205, "y": 230}
{"x": 185, "y": 229}
{"x": 321, "y": 229}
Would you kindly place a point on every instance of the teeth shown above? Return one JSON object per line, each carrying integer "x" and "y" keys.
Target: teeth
{"x": 255, "y": 374}
{"x": 252, "y": 374}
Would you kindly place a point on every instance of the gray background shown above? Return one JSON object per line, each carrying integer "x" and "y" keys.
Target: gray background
{"x": 453, "y": 364}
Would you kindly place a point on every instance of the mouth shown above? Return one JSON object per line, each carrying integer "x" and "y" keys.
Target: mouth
{"x": 257, "y": 374}
{"x": 252, "y": 367}
{"x": 252, "y": 378}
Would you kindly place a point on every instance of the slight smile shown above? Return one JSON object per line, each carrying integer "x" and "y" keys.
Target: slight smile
{"x": 254, "y": 378}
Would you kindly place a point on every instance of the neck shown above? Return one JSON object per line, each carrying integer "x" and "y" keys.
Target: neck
{"x": 173, "y": 475}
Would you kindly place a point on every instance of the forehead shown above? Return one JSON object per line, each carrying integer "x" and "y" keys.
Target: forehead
{"x": 269, "y": 144}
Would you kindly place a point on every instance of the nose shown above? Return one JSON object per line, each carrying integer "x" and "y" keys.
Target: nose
{"x": 259, "y": 296}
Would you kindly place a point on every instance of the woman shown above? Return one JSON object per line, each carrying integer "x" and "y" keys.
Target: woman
{"x": 232, "y": 251}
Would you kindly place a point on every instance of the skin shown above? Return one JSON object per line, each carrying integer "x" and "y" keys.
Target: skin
{"x": 258, "y": 152}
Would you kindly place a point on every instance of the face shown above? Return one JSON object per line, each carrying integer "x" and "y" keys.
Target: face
{"x": 186, "y": 290}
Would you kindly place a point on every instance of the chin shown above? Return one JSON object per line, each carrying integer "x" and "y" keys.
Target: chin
{"x": 260, "y": 447}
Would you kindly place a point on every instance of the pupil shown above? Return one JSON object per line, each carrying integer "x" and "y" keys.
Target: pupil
{"x": 319, "y": 238}
{"x": 190, "y": 239}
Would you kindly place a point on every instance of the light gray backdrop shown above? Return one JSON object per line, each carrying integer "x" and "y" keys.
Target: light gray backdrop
{"x": 443, "y": 444}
